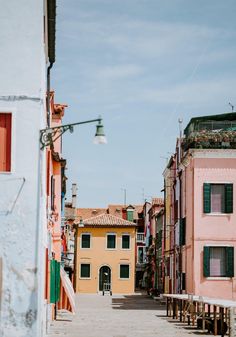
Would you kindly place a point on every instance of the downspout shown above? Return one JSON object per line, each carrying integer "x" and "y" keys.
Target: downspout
{"x": 180, "y": 219}
{"x": 48, "y": 92}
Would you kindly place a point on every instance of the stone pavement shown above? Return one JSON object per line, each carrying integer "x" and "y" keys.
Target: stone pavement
{"x": 119, "y": 316}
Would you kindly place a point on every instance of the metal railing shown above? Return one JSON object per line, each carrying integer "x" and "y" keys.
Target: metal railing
{"x": 140, "y": 237}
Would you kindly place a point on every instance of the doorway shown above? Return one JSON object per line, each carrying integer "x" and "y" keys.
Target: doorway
{"x": 104, "y": 278}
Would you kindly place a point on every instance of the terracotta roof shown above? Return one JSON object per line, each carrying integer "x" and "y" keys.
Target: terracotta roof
{"x": 117, "y": 210}
{"x": 107, "y": 220}
{"x": 158, "y": 201}
{"x": 86, "y": 213}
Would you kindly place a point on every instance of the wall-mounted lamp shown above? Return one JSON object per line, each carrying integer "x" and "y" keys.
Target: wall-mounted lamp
{"x": 81, "y": 223}
{"x": 50, "y": 135}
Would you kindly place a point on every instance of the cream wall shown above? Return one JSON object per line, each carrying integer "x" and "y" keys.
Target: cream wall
{"x": 98, "y": 255}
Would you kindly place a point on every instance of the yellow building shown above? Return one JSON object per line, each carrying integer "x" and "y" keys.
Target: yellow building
{"x": 105, "y": 255}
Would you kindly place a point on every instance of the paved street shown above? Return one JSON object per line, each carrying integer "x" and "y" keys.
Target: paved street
{"x": 119, "y": 316}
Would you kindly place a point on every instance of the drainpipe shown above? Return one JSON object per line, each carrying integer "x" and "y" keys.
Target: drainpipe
{"x": 48, "y": 93}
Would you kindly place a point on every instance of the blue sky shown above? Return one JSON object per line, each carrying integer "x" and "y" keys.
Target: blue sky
{"x": 141, "y": 64}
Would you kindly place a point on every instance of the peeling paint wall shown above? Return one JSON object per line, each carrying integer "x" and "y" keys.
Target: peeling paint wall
{"x": 22, "y": 201}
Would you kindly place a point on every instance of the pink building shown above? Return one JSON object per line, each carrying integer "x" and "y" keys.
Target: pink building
{"x": 205, "y": 230}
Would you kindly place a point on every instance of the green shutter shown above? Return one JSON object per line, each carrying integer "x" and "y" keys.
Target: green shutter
{"x": 125, "y": 242}
{"x": 111, "y": 241}
{"x": 57, "y": 295}
{"x": 85, "y": 241}
{"x": 230, "y": 261}
{"x": 124, "y": 271}
{"x": 182, "y": 231}
{"x": 206, "y": 261}
{"x": 54, "y": 281}
{"x": 207, "y": 198}
{"x": 130, "y": 215}
{"x": 85, "y": 270}
{"x": 228, "y": 198}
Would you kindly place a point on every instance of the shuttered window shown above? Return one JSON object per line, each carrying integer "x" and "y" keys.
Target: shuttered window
{"x": 182, "y": 231}
{"x": 124, "y": 271}
{"x": 125, "y": 241}
{"x": 130, "y": 215}
{"x": 54, "y": 281}
{"x": 5, "y": 141}
{"x": 218, "y": 261}
{"x": 85, "y": 270}
{"x": 111, "y": 241}
{"x": 85, "y": 241}
{"x": 218, "y": 198}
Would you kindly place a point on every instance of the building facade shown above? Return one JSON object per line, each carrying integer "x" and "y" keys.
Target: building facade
{"x": 105, "y": 255}
{"x": 203, "y": 208}
{"x": 25, "y": 55}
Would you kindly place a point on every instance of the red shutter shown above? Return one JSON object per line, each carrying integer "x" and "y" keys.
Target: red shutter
{"x": 5, "y": 142}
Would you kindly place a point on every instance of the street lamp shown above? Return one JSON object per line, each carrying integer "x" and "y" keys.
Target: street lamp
{"x": 50, "y": 135}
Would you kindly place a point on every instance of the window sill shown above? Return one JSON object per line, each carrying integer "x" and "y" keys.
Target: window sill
{"x": 218, "y": 214}
{"x": 124, "y": 279}
{"x": 85, "y": 278}
{"x": 218, "y": 278}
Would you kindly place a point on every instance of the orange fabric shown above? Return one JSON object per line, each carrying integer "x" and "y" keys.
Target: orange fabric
{"x": 5, "y": 142}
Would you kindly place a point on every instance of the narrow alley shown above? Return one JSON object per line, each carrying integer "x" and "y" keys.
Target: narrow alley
{"x": 119, "y": 316}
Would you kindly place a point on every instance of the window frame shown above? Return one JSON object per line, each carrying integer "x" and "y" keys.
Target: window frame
{"x": 126, "y": 234}
{"x": 80, "y": 270}
{"x": 111, "y": 233}
{"x": 81, "y": 240}
{"x": 12, "y": 112}
{"x": 207, "y": 209}
{"x": 143, "y": 249}
{"x": 124, "y": 278}
{"x": 229, "y": 272}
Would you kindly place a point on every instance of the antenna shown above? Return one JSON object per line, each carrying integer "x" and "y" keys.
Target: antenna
{"x": 124, "y": 189}
{"x": 232, "y": 107}
{"x": 180, "y": 120}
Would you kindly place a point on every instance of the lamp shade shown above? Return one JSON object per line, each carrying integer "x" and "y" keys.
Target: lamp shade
{"x": 100, "y": 137}
{"x": 81, "y": 224}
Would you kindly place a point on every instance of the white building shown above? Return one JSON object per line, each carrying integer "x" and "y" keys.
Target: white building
{"x": 25, "y": 42}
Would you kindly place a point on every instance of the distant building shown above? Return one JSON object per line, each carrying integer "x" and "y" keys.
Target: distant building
{"x": 200, "y": 188}
{"x": 105, "y": 255}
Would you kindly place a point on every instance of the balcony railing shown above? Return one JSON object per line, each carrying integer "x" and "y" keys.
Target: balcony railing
{"x": 140, "y": 238}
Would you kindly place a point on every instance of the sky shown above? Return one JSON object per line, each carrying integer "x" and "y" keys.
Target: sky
{"x": 141, "y": 65}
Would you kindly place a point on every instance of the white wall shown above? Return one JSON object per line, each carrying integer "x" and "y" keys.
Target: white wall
{"x": 22, "y": 201}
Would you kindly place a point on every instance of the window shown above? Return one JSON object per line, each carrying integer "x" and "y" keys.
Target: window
{"x": 125, "y": 241}
{"x": 218, "y": 198}
{"x": 85, "y": 240}
{"x": 218, "y": 261}
{"x": 140, "y": 256}
{"x": 52, "y": 193}
{"x": 111, "y": 241}
{"x": 85, "y": 270}
{"x": 5, "y": 141}
{"x": 182, "y": 231}
{"x": 124, "y": 271}
{"x": 130, "y": 215}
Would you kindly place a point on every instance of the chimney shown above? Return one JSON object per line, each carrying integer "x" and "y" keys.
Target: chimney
{"x": 74, "y": 195}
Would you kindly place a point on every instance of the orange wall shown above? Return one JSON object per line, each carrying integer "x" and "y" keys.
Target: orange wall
{"x": 99, "y": 256}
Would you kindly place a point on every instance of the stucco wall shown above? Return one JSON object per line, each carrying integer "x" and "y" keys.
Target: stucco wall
{"x": 22, "y": 205}
{"x": 99, "y": 256}
{"x": 215, "y": 166}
